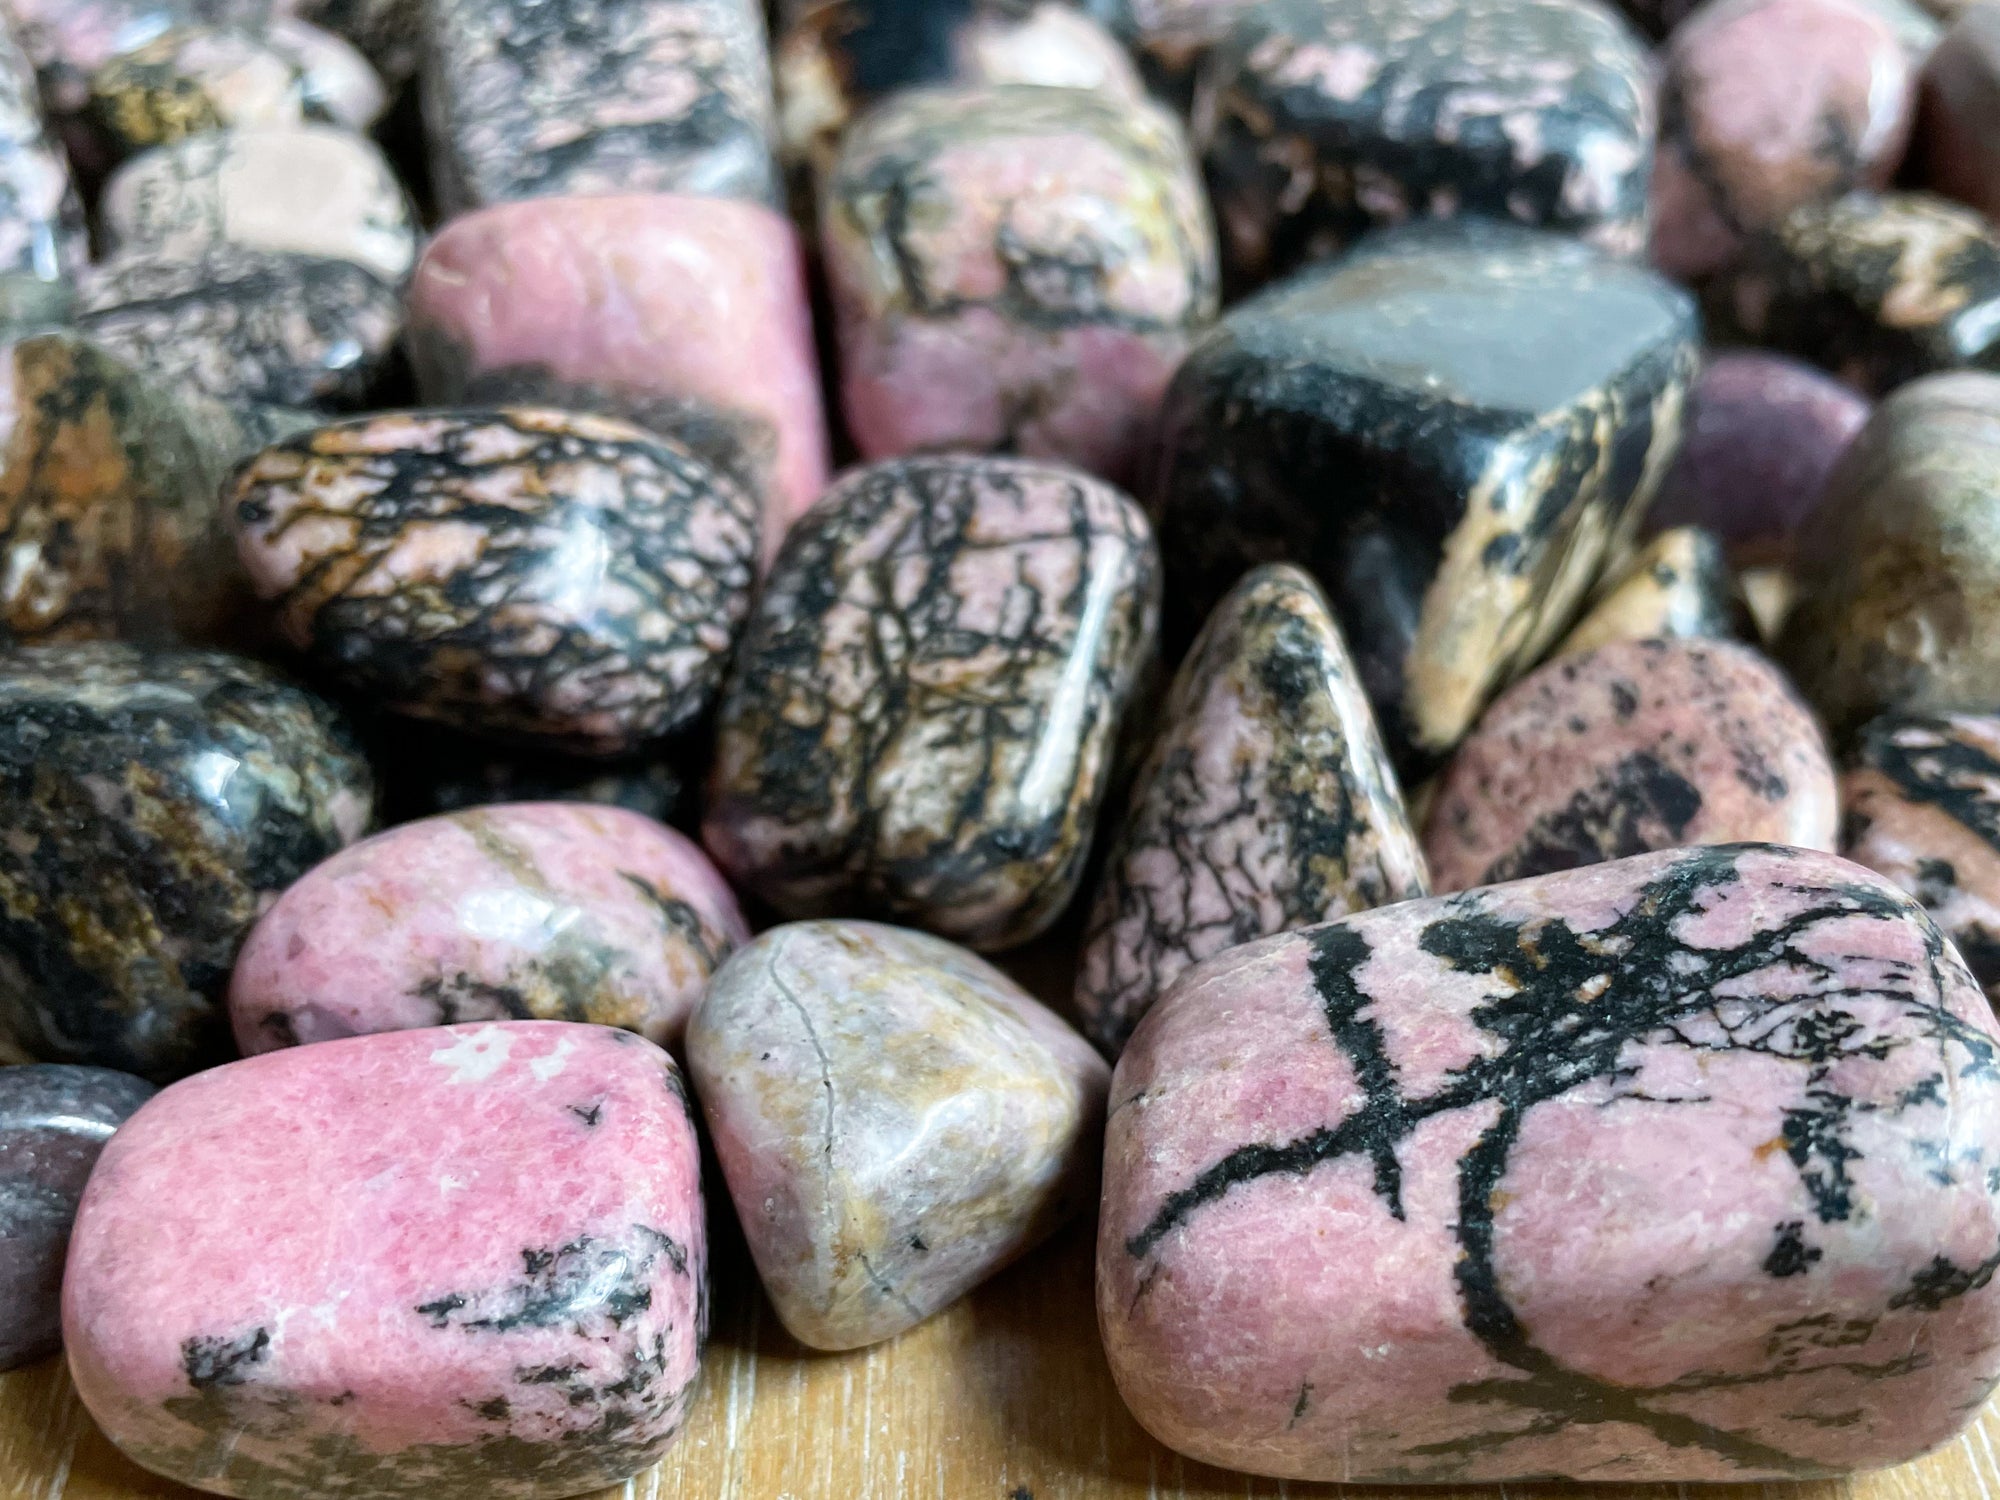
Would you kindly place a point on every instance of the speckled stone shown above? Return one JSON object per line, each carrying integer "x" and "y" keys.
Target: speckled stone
{"x": 513, "y": 1306}
{"x": 1678, "y": 586}
{"x": 1899, "y": 574}
{"x": 1015, "y": 269}
{"x": 1763, "y": 433}
{"x": 1449, "y": 428}
{"x": 534, "y": 911}
{"x": 1632, "y": 747}
{"x": 1766, "y": 105}
{"x": 921, "y": 719}
{"x": 246, "y": 325}
{"x": 529, "y": 100}
{"x": 1958, "y": 122}
{"x": 1267, "y": 803}
{"x": 1319, "y": 121}
{"x": 42, "y": 233}
{"x": 155, "y": 802}
{"x": 69, "y": 40}
{"x": 896, "y": 1120}
{"x": 312, "y": 190}
{"x": 1879, "y": 288}
{"x": 1658, "y": 1170}
{"x": 54, "y": 1119}
{"x": 549, "y": 577}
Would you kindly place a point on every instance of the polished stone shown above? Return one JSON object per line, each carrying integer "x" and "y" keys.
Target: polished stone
{"x": 1677, "y": 587}
{"x": 1957, "y": 148}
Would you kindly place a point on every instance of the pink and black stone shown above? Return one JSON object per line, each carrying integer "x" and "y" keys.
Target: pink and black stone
{"x": 921, "y": 720}
{"x": 1448, "y": 427}
{"x": 514, "y": 1305}
{"x": 54, "y": 1119}
{"x": 1317, "y": 122}
{"x": 1680, "y": 1168}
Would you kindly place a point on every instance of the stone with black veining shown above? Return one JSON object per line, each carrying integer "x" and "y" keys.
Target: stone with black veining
{"x": 155, "y": 801}
{"x": 1957, "y": 145}
{"x": 922, "y": 717}
{"x": 1319, "y": 121}
{"x": 550, "y": 577}
{"x": 1449, "y": 428}
{"x": 461, "y": 1261}
{"x": 54, "y": 1119}
{"x": 1673, "y": 1169}
{"x": 42, "y": 234}
{"x": 1678, "y": 586}
{"x": 1267, "y": 803}
{"x": 896, "y": 1120}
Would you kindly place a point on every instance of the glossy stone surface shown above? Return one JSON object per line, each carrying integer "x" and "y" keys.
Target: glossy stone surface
{"x": 1317, "y": 122}
{"x": 1678, "y": 586}
{"x": 1448, "y": 428}
{"x": 1017, "y": 269}
{"x": 922, "y": 716}
{"x": 1267, "y": 803}
{"x": 528, "y": 100}
{"x": 1635, "y": 746}
{"x": 155, "y": 802}
{"x": 312, "y": 190}
{"x": 1957, "y": 147}
{"x": 1762, "y": 435}
{"x": 514, "y": 1305}
{"x": 896, "y": 1120}
{"x": 1878, "y": 288}
{"x": 1899, "y": 574}
{"x": 42, "y": 231}
{"x": 1658, "y": 1170}
{"x": 531, "y": 911}
{"x": 54, "y": 1119}
{"x": 687, "y": 315}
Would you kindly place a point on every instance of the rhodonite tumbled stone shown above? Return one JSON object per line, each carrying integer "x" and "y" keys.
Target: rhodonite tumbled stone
{"x": 540, "y": 575}
{"x": 896, "y": 1120}
{"x": 921, "y": 719}
{"x": 534, "y": 911}
{"x": 1016, "y": 269}
{"x": 42, "y": 232}
{"x": 512, "y": 1305}
{"x": 154, "y": 802}
{"x": 1958, "y": 121}
{"x": 1447, "y": 427}
{"x": 1672, "y": 1169}
{"x": 1319, "y": 121}
{"x": 1267, "y": 803}
{"x": 54, "y": 1119}
{"x": 1677, "y": 586}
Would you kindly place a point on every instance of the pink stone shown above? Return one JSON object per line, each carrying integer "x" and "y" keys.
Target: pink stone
{"x": 468, "y": 1260}
{"x": 533, "y": 910}
{"x": 687, "y": 314}
{"x": 1678, "y": 1169}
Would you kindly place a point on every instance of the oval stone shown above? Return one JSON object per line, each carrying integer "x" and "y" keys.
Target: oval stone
{"x": 921, "y": 720}
{"x": 1958, "y": 122}
{"x": 1635, "y": 746}
{"x": 1677, "y": 587}
{"x": 1267, "y": 803}
{"x": 54, "y": 1119}
{"x": 541, "y": 575}
{"x": 513, "y": 1306}
{"x": 1658, "y": 1170}
{"x": 154, "y": 802}
{"x": 896, "y": 1120}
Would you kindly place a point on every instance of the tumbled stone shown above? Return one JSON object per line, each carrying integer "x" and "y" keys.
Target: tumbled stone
{"x": 922, "y": 716}
{"x": 539, "y": 575}
{"x": 1659, "y": 1170}
{"x": 528, "y": 100}
{"x": 246, "y": 325}
{"x": 1267, "y": 803}
{"x": 1958, "y": 122}
{"x": 1915, "y": 28}
{"x": 386, "y": 32}
{"x": 1762, "y": 435}
{"x": 896, "y": 1120}
{"x": 312, "y": 190}
{"x": 1448, "y": 427}
{"x": 69, "y": 40}
{"x": 1899, "y": 573}
{"x": 1317, "y": 122}
{"x": 535, "y": 911}
{"x": 1015, "y": 269}
{"x": 155, "y": 802}
{"x": 1678, "y": 586}
{"x": 42, "y": 233}
{"x": 1879, "y": 288}
{"x": 687, "y": 315}
{"x": 1635, "y": 746}
{"x": 1766, "y": 105}
{"x": 513, "y": 1306}
{"x": 54, "y": 1120}
{"x": 336, "y": 82}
